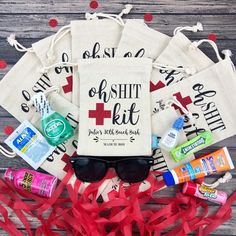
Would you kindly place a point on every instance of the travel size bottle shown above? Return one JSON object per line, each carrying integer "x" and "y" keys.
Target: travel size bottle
{"x": 32, "y": 181}
{"x": 56, "y": 129}
{"x": 170, "y": 138}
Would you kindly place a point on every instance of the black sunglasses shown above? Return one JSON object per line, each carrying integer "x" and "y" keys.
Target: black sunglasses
{"x": 93, "y": 169}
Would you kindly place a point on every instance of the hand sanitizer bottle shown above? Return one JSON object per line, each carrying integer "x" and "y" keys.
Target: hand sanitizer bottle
{"x": 170, "y": 138}
{"x": 55, "y": 128}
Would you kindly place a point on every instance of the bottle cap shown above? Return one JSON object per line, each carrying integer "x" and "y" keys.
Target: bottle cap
{"x": 9, "y": 174}
{"x": 179, "y": 123}
{"x": 154, "y": 142}
{"x": 169, "y": 179}
{"x": 190, "y": 188}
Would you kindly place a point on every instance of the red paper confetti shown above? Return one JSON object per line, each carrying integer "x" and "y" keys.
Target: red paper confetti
{"x": 93, "y": 4}
{"x": 212, "y": 37}
{"x": 148, "y": 17}
{"x": 3, "y": 64}
{"x": 8, "y": 130}
{"x": 53, "y": 22}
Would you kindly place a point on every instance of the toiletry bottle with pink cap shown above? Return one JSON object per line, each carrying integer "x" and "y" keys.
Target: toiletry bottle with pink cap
{"x": 32, "y": 181}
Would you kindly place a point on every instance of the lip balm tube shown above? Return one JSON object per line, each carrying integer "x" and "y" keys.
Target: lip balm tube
{"x": 215, "y": 162}
{"x": 204, "y": 192}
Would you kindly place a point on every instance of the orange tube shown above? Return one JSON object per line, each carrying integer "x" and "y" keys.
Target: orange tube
{"x": 215, "y": 162}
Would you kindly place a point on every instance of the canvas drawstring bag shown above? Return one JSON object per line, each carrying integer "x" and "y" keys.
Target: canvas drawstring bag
{"x": 138, "y": 40}
{"x": 178, "y": 60}
{"x": 105, "y": 84}
{"x": 51, "y": 50}
{"x": 19, "y": 85}
{"x": 209, "y": 95}
{"x": 115, "y": 116}
{"x": 95, "y": 38}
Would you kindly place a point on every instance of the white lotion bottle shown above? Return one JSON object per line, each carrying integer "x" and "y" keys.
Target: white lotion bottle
{"x": 170, "y": 138}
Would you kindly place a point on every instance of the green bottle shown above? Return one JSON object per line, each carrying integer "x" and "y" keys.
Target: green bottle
{"x": 55, "y": 128}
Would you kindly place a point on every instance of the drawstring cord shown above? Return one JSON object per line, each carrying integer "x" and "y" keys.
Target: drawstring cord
{"x": 174, "y": 101}
{"x": 117, "y": 18}
{"x": 188, "y": 71}
{"x": 60, "y": 34}
{"x": 228, "y": 54}
{"x": 194, "y": 28}
{"x": 225, "y": 179}
{"x": 50, "y": 54}
{"x": 7, "y": 153}
{"x": 19, "y": 47}
{"x": 56, "y": 38}
{"x": 196, "y": 44}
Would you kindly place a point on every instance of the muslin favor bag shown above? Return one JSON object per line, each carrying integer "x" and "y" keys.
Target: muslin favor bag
{"x": 138, "y": 40}
{"x": 209, "y": 95}
{"x": 95, "y": 38}
{"x": 18, "y": 86}
{"x": 53, "y": 50}
{"x": 57, "y": 50}
{"x": 178, "y": 60}
{"x": 115, "y": 118}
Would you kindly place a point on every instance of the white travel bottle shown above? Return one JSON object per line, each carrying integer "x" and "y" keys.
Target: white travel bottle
{"x": 170, "y": 138}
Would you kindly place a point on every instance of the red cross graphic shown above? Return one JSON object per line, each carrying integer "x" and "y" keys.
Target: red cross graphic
{"x": 68, "y": 87}
{"x": 66, "y": 158}
{"x": 184, "y": 101}
{"x": 157, "y": 86}
{"x": 99, "y": 114}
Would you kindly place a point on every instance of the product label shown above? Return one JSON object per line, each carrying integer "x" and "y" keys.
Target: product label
{"x": 208, "y": 192}
{"x": 190, "y": 147}
{"x": 23, "y": 140}
{"x": 190, "y": 171}
{"x": 170, "y": 139}
{"x": 54, "y": 128}
{"x": 27, "y": 181}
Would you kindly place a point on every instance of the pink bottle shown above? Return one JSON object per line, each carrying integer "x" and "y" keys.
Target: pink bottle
{"x": 204, "y": 192}
{"x": 32, "y": 181}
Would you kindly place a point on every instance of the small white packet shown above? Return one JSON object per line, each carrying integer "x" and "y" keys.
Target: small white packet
{"x": 29, "y": 144}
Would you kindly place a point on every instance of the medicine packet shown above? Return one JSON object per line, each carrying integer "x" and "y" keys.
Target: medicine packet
{"x": 29, "y": 144}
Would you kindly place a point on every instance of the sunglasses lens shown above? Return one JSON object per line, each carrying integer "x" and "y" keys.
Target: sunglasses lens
{"x": 89, "y": 170}
{"x": 133, "y": 171}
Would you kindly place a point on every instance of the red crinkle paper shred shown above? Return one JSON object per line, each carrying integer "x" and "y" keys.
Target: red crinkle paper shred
{"x": 128, "y": 211}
